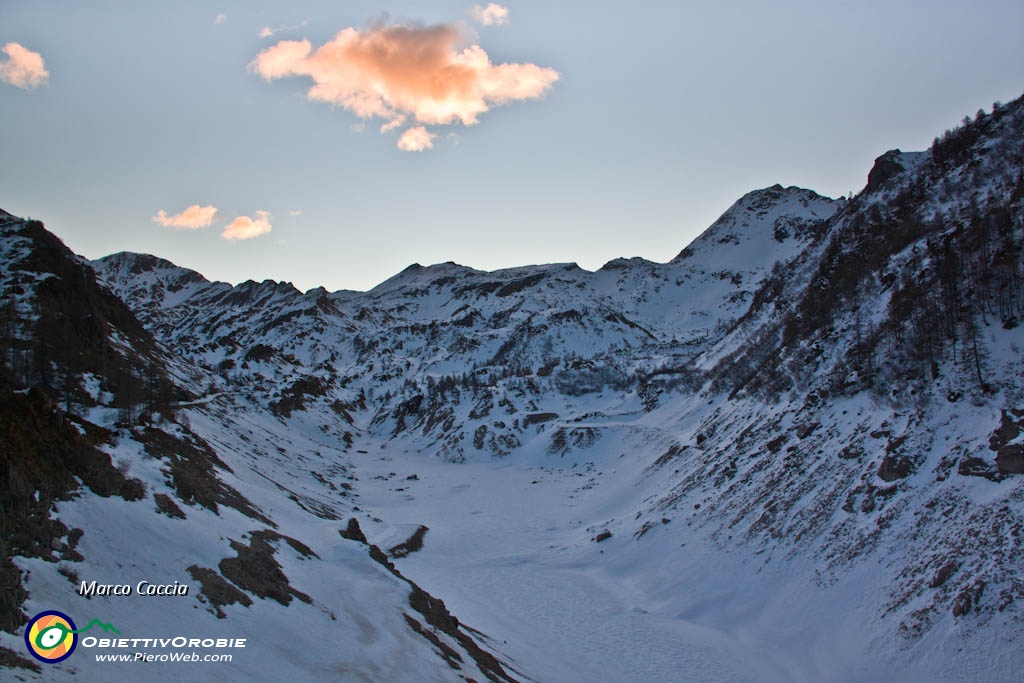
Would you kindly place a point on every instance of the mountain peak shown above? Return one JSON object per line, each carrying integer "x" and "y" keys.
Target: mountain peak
{"x": 886, "y": 166}
{"x": 763, "y": 217}
{"x": 416, "y": 274}
{"x": 131, "y": 263}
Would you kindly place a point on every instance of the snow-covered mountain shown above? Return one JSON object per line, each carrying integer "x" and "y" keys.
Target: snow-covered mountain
{"x": 790, "y": 453}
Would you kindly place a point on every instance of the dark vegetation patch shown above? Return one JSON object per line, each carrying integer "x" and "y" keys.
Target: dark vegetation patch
{"x": 70, "y": 574}
{"x": 951, "y": 277}
{"x": 673, "y": 452}
{"x": 478, "y": 288}
{"x": 647, "y": 526}
{"x": 260, "y": 353}
{"x": 947, "y": 570}
{"x": 341, "y": 409}
{"x": 42, "y": 458}
{"x": 478, "y": 437}
{"x": 313, "y": 506}
{"x": 570, "y": 316}
{"x": 411, "y": 544}
{"x": 294, "y": 397}
{"x": 9, "y": 659}
{"x": 548, "y": 368}
{"x": 217, "y": 590}
{"x": 281, "y": 320}
{"x": 978, "y": 467}
{"x": 621, "y": 319}
{"x": 165, "y": 505}
{"x": 468, "y": 320}
{"x": 191, "y": 463}
{"x": 256, "y": 570}
{"x": 849, "y": 452}
{"x": 806, "y": 429}
{"x": 77, "y": 327}
{"x": 73, "y": 331}
{"x": 516, "y": 286}
{"x": 968, "y": 598}
{"x": 565, "y": 440}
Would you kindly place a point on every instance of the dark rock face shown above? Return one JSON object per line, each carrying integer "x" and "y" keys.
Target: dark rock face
{"x": 1010, "y": 459}
{"x": 437, "y": 615}
{"x": 968, "y": 598}
{"x": 411, "y": 544}
{"x": 895, "y": 467}
{"x": 353, "y": 532}
{"x": 977, "y": 467}
{"x": 1009, "y": 456}
{"x": 256, "y": 570}
{"x": 886, "y": 166}
{"x": 217, "y": 590}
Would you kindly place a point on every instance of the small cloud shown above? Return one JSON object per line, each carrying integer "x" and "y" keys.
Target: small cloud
{"x": 295, "y": 212}
{"x": 192, "y": 218}
{"x": 392, "y": 124}
{"x": 220, "y": 18}
{"x": 357, "y": 127}
{"x": 245, "y": 228}
{"x": 416, "y": 140}
{"x": 452, "y": 138}
{"x": 492, "y": 15}
{"x": 267, "y": 32}
{"x": 23, "y": 68}
{"x": 430, "y": 74}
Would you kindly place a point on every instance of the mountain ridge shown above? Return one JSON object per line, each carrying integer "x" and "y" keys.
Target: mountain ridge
{"x": 806, "y": 425}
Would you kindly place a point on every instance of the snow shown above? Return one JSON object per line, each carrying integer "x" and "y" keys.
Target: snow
{"x": 752, "y": 538}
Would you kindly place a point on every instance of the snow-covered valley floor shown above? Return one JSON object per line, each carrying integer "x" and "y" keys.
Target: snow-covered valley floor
{"x": 510, "y": 552}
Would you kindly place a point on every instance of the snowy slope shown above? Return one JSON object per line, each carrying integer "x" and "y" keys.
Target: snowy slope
{"x": 799, "y": 441}
{"x": 115, "y": 486}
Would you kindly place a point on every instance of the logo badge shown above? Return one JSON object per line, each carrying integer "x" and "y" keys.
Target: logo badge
{"x": 51, "y": 636}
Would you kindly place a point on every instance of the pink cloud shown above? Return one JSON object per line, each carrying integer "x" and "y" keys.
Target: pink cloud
{"x": 245, "y": 228}
{"x": 397, "y": 70}
{"x": 220, "y": 18}
{"x": 492, "y": 15}
{"x": 192, "y": 218}
{"x": 23, "y": 68}
{"x": 416, "y": 139}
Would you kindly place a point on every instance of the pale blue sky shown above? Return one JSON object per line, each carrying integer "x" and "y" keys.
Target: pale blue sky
{"x": 663, "y": 115}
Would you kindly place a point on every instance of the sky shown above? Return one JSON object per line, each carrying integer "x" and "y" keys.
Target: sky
{"x": 334, "y": 143}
